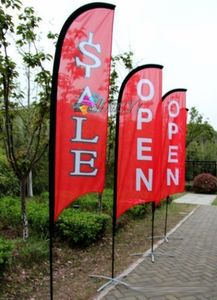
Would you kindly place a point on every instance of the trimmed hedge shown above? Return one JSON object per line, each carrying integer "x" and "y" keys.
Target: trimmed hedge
{"x": 82, "y": 228}
{"x": 6, "y": 249}
{"x": 90, "y": 202}
{"x": 37, "y": 214}
{"x": 79, "y": 227}
{"x": 139, "y": 211}
{"x": 205, "y": 183}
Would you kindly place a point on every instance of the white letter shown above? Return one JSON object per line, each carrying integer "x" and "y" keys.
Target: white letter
{"x": 79, "y": 162}
{"x": 141, "y": 148}
{"x": 173, "y": 112}
{"x": 139, "y": 90}
{"x": 141, "y": 119}
{"x": 172, "y": 129}
{"x": 174, "y": 177}
{"x": 78, "y": 132}
{"x": 172, "y": 155}
{"x": 140, "y": 175}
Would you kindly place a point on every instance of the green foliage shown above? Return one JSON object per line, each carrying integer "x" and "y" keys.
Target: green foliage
{"x": 6, "y": 249}
{"x": 82, "y": 228}
{"x": 44, "y": 196}
{"x": 201, "y": 138}
{"x": 139, "y": 211}
{"x": 10, "y": 212}
{"x": 12, "y": 3}
{"x": 8, "y": 182}
{"x": 40, "y": 176}
{"x": 10, "y": 215}
{"x": 205, "y": 183}
{"x": 38, "y": 217}
{"x": 188, "y": 187}
{"x": 24, "y": 74}
{"x": 32, "y": 251}
{"x": 87, "y": 203}
{"x": 90, "y": 202}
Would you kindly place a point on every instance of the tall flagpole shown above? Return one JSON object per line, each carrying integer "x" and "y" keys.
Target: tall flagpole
{"x": 166, "y": 219}
{"x": 51, "y": 255}
{"x": 115, "y": 181}
{"x": 152, "y": 231}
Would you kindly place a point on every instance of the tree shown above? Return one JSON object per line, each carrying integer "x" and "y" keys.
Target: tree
{"x": 201, "y": 139}
{"x": 124, "y": 63}
{"x": 24, "y": 124}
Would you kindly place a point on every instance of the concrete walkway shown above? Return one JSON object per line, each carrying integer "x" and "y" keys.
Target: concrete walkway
{"x": 190, "y": 274}
{"x": 200, "y": 199}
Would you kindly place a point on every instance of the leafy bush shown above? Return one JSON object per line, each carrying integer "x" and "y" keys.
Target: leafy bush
{"x": 8, "y": 182}
{"x": 37, "y": 214}
{"x": 38, "y": 217}
{"x": 139, "y": 211}
{"x": 32, "y": 251}
{"x": 188, "y": 187}
{"x": 205, "y": 183}
{"x": 10, "y": 214}
{"x": 90, "y": 202}
{"x": 44, "y": 196}
{"x": 6, "y": 248}
{"x": 82, "y": 228}
{"x": 86, "y": 203}
{"x": 40, "y": 175}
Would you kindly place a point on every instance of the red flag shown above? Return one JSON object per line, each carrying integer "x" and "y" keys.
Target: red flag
{"x": 80, "y": 90}
{"x": 139, "y": 137}
{"x": 173, "y": 142}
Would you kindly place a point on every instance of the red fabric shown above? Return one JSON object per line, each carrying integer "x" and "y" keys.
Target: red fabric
{"x": 173, "y": 143}
{"x": 139, "y": 139}
{"x": 82, "y": 99}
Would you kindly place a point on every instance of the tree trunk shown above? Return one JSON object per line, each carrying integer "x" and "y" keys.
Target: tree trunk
{"x": 29, "y": 185}
{"x": 23, "y": 208}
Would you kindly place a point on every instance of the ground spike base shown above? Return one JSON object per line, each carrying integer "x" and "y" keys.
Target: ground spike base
{"x": 110, "y": 281}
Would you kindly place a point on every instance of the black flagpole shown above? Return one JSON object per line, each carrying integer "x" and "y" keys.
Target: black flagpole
{"x": 115, "y": 182}
{"x": 51, "y": 254}
{"x": 51, "y": 196}
{"x": 166, "y": 220}
{"x": 51, "y": 189}
{"x": 113, "y": 238}
{"x": 152, "y": 232}
{"x": 52, "y": 179}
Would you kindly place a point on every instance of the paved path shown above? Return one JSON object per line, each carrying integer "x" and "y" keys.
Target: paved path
{"x": 200, "y": 199}
{"x": 190, "y": 275}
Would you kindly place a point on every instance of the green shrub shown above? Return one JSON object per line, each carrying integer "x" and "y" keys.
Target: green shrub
{"x": 87, "y": 203}
{"x": 32, "y": 251}
{"x": 10, "y": 214}
{"x": 139, "y": 211}
{"x": 188, "y": 187}
{"x": 38, "y": 217}
{"x": 6, "y": 249}
{"x": 205, "y": 183}
{"x": 44, "y": 197}
{"x": 90, "y": 202}
{"x": 9, "y": 184}
{"x": 82, "y": 228}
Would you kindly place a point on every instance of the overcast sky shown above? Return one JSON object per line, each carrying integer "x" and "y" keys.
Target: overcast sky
{"x": 181, "y": 35}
